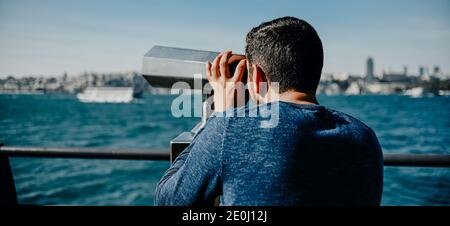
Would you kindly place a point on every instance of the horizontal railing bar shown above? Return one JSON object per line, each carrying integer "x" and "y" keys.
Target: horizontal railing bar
{"x": 85, "y": 153}
{"x": 417, "y": 160}
{"x": 390, "y": 159}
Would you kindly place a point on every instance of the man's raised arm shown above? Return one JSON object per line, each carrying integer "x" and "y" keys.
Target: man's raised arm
{"x": 194, "y": 178}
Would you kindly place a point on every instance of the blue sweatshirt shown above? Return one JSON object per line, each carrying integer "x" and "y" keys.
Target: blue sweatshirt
{"x": 278, "y": 153}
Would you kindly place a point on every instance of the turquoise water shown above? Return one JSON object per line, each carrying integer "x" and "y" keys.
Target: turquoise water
{"x": 403, "y": 124}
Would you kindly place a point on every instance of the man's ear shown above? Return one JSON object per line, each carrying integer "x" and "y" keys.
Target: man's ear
{"x": 260, "y": 79}
{"x": 256, "y": 79}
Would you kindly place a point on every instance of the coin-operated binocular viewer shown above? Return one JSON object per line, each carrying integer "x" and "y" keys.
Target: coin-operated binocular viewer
{"x": 163, "y": 67}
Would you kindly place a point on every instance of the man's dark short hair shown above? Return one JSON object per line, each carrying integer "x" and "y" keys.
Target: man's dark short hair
{"x": 289, "y": 51}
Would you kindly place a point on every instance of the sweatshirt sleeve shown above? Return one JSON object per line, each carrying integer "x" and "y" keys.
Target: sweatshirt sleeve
{"x": 195, "y": 176}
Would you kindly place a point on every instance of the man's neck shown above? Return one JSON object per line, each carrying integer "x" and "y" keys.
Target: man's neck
{"x": 297, "y": 97}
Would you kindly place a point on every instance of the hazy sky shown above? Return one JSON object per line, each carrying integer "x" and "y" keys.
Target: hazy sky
{"x": 50, "y": 37}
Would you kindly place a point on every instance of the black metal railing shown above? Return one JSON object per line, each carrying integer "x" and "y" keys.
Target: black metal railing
{"x": 7, "y": 188}
{"x": 390, "y": 159}
{"x": 84, "y": 153}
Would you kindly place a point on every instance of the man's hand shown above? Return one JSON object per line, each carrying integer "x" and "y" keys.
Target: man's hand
{"x": 228, "y": 89}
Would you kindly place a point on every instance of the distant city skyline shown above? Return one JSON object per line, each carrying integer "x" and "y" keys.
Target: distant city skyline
{"x": 52, "y": 37}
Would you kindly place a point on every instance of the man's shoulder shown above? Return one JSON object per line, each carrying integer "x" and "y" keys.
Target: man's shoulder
{"x": 355, "y": 126}
{"x": 290, "y": 114}
{"x": 351, "y": 119}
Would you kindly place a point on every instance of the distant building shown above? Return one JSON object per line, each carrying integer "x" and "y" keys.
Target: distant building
{"x": 370, "y": 67}
{"x": 65, "y": 77}
{"x": 391, "y": 76}
{"x": 421, "y": 71}
{"x": 395, "y": 77}
{"x": 436, "y": 70}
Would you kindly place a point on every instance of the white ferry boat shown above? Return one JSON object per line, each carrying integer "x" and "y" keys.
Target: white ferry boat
{"x": 415, "y": 92}
{"x": 107, "y": 95}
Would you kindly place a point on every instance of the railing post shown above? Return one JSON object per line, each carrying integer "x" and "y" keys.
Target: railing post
{"x": 179, "y": 143}
{"x": 8, "y": 196}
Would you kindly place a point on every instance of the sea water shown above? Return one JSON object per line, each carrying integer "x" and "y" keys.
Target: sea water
{"x": 402, "y": 124}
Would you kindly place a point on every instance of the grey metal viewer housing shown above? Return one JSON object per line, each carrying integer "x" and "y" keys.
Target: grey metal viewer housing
{"x": 163, "y": 66}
